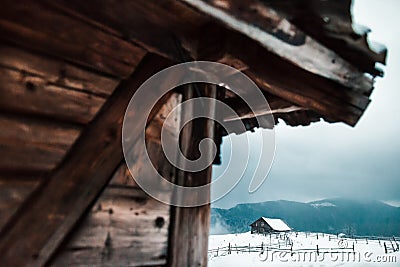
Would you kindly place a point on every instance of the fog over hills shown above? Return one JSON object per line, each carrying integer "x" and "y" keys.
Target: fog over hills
{"x": 329, "y": 216}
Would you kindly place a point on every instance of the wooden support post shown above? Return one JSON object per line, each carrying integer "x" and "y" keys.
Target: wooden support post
{"x": 189, "y": 226}
{"x": 44, "y": 220}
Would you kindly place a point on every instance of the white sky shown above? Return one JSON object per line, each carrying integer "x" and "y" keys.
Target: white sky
{"x": 334, "y": 160}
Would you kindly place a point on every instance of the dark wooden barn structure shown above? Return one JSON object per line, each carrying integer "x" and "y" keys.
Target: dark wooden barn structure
{"x": 68, "y": 69}
{"x": 265, "y": 225}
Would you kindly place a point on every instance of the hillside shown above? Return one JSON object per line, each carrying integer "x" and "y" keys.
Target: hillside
{"x": 328, "y": 216}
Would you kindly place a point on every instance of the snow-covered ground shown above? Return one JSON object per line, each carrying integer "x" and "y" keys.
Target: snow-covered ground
{"x": 298, "y": 250}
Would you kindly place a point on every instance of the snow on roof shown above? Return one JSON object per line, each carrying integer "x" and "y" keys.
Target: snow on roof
{"x": 277, "y": 224}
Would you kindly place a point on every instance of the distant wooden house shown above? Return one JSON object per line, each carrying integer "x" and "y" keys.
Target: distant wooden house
{"x": 267, "y": 225}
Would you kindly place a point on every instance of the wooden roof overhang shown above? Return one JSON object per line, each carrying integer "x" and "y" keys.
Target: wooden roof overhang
{"x": 67, "y": 69}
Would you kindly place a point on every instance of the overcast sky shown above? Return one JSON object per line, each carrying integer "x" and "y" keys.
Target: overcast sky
{"x": 334, "y": 160}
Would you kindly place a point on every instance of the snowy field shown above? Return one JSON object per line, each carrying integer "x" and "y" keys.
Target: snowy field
{"x": 299, "y": 249}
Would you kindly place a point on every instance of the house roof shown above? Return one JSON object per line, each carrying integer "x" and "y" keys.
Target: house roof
{"x": 277, "y": 224}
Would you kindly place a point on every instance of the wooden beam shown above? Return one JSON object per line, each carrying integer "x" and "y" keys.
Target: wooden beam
{"x": 188, "y": 240}
{"x": 243, "y": 111}
{"x": 14, "y": 189}
{"x": 279, "y": 36}
{"x": 283, "y": 79}
{"x": 296, "y": 85}
{"x": 48, "y": 216}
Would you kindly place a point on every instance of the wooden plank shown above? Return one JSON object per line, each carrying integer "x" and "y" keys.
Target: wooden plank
{"x": 279, "y": 36}
{"x": 26, "y": 130}
{"x": 37, "y": 26}
{"x": 56, "y": 72}
{"x": 188, "y": 239}
{"x": 124, "y": 228}
{"x": 28, "y": 144}
{"x": 48, "y": 216}
{"x": 29, "y": 94}
{"x": 13, "y": 191}
{"x": 29, "y": 157}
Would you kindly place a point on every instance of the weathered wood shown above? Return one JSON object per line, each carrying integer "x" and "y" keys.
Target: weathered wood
{"x": 140, "y": 21}
{"x": 56, "y": 72}
{"x": 23, "y": 130}
{"x": 278, "y": 35}
{"x": 124, "y": 228}
{"x": 243, "y": 111}
{"x": 13, "y": 191}
{"x": 153, "y": 130}
{"x": 33, "y": 145}
{"x": 37, "y": 26}
{"x": 36, "y": 96}
{"x": 188, "y": 237}
{"x": 48, "y": 216}
{"x": 303, "y": 88}
{"x": 29, "y": 157}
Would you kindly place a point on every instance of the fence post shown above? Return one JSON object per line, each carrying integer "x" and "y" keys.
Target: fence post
{"x": 229, "y": 248}
{"x": 317, "y": 250}
{"x": 366, "y": 240}
{"x": 384, "y": 245}
{"x": 317, "y": 236}
{"x": 217, "y": 251}
{"x": 249, "y": 247}
{"x": 353, "y": 246}
{"x": 262, "y": 247}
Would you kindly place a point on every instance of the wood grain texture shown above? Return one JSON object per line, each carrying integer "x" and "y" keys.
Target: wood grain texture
{"x": 140, "y": 21}
{"x": 57, "y": 205}
{"x": 302, "y": 88}
{"x": 33, "y": 145}
{"x": 24, "y": 130}
{"x": 36, "y": 96}
{"x": 188, "y": 237}
{"x": 56, "y": 72}
{"x": 279, "y": 36}
{"x": 124, "y": 228}
{"x": 35, "y": 25}
{"x": 14, "y": 190}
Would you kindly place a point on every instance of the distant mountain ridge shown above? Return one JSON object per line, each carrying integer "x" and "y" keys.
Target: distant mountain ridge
{"x": 329, "y": 216}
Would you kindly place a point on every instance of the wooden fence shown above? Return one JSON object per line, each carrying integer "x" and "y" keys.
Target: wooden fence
{"x": 389, "y": 244}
